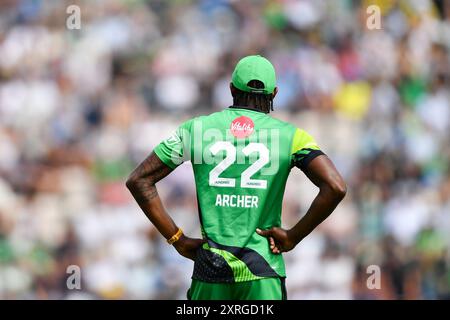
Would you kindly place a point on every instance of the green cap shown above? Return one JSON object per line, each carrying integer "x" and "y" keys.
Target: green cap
{"x": 254, "y": 68}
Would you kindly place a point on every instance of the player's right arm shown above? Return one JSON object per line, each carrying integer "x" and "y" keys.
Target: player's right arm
{"x": 332, "y": 189}
{"x": 142, "y": 185}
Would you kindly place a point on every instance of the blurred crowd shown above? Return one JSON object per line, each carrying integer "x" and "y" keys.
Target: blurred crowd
{"x": 80, "y": 108}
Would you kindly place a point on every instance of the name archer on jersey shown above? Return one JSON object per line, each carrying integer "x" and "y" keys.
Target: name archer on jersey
{"x": 236, "y": 201}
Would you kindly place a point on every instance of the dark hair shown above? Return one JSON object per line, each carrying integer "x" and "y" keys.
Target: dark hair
{"x": 260, "y": 101}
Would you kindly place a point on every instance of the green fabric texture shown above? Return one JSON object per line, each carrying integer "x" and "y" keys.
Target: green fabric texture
{"x": 264, "y": 289}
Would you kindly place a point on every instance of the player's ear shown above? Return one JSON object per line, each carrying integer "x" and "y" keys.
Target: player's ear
{"x": 275, "y": 91}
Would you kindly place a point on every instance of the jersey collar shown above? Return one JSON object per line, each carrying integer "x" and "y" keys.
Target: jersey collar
{"x": 246, "y": 108}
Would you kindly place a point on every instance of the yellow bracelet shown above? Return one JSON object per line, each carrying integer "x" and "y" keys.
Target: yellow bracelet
{"x": 175, "y": 237}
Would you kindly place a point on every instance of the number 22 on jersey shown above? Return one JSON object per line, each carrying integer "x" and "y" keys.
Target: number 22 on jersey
{"x": 230, "y": 158}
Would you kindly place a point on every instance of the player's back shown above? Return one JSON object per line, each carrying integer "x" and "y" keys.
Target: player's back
{"x": 241, "y": 160}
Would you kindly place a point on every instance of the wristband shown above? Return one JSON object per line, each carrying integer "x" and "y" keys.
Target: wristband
{"x": 175, "y": 237}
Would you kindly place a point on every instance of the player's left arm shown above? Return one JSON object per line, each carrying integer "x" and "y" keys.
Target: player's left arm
{"x": 142, "y": 185}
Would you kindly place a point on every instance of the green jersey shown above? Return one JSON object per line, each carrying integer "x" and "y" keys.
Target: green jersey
{"x": 241, "y": 160}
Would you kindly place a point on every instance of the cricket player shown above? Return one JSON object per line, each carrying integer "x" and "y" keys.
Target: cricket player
{"x": 241, "y": 159}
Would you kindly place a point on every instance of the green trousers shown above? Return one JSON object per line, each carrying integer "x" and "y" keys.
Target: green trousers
{"x": 263, "y": 289}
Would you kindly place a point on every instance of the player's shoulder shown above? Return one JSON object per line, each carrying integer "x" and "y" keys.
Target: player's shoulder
{"x": 281, "y": 123}
{"x": 188, "y": 122}
{"x": 275, "y": 122}
{"x": 203, "y": 118}
{"x": 210, "y": 116}
{"x": 200, "y": 120}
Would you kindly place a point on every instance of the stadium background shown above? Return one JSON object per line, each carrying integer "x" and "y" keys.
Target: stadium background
{"x": 80, "y": 108}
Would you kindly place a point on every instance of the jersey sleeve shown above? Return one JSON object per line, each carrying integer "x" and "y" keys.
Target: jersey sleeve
{"x": 304, "y": 149}
{"x": 175, "y": 150}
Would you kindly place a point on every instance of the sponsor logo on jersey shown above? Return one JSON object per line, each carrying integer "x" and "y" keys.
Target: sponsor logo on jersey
{"x": 242, "y": 127}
